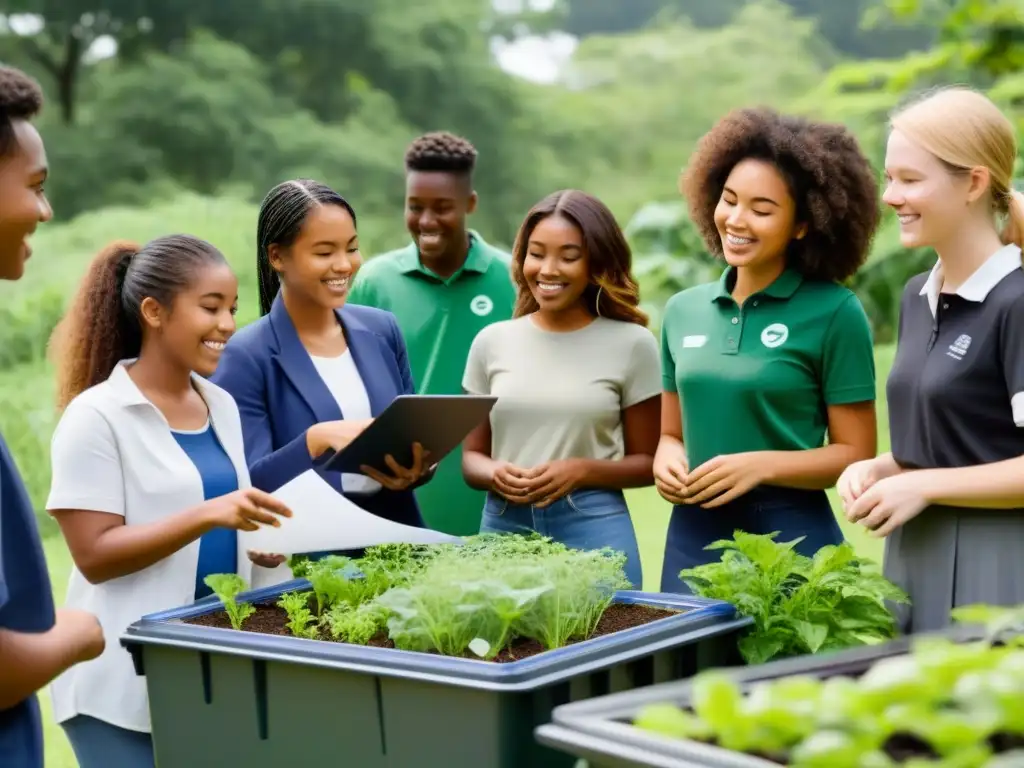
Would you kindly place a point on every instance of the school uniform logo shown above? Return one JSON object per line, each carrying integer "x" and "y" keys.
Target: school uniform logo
{"x": 774, "y": 335}
{"x": 481, "y": 305}
{"x": 959, "y": 348}
{"x": 693, "y": 342}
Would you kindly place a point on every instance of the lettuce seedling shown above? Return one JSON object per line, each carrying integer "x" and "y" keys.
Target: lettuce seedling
{"x": 227, "y": 586}
{"x": 301, "y": 621}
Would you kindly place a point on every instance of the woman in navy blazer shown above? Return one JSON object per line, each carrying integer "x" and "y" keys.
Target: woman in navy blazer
{"x": 312, "y": 373}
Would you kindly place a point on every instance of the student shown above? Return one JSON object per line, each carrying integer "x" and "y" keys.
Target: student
{"x": 313, "y": 372}
{"x": 149, "y": 477}
{"x": 36, "y": 642}
{"x": 949, "y": 498}
{"x": 760, "y": 365}
{"x": 576, "y": 374}
{"x": 444, "y": 288}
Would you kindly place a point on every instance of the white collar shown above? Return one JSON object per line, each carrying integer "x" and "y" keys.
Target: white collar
{"x": 978, "y": 286}
{"x": 129, "y": 394}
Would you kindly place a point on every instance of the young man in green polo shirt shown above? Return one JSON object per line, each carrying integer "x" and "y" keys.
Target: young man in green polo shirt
{"x": 444, "y": 288}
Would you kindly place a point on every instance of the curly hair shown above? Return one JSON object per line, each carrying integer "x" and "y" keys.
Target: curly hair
{"x": 282, "y": 215}
{"x": 441, "y": 151}
{"x": 102, "y": 326}
{"x": 21, "y": 98}
{"x": 614, "y": 292}
{"x": 831, "y": 181}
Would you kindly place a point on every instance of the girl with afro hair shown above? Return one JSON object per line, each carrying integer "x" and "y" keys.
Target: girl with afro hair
{"x": 759, "y": 367}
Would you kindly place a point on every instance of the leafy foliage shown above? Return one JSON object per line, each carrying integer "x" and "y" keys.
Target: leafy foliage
{"x": 457, "y": 599}
{"x": 227, "y": 587}
{"x": 957, "y": 703}
{"x": 799, "y": 604}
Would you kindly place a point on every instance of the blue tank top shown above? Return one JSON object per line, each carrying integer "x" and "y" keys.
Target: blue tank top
{"x": 217, "y": 548}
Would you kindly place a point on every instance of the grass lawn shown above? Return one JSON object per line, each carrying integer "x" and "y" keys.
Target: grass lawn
{"x": 650, "y": 516}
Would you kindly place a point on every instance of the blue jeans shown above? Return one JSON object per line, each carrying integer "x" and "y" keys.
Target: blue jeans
{"x": 791, "y": 511}
{"x": 98, "y": 744}
{"x": 584, "y": 519}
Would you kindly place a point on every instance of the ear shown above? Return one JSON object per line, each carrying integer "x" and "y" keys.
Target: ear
{"x": 151, "y": 313}
{"x": 471, "y": 203}
{"x": 800, "y": 232}
{"x": 274, "y": 255}
{"x": 979, "y": 182}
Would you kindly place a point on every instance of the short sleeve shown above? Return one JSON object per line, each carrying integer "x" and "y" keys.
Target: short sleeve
{"x": 642, "y": 380}
{"x": 86, "y": 463}
{"x": 848, "y": 356}
{"x": 1011, "y": 350}
{"x": 475, "y": 380}
{"x": 668, "y": 361}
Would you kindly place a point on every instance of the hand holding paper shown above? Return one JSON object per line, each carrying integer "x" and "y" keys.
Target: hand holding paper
{"x": 322, "y": 519}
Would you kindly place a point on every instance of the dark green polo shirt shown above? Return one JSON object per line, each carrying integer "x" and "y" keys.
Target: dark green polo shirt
{"x": 760, "y": 377}
{"x": 439, "y": 319}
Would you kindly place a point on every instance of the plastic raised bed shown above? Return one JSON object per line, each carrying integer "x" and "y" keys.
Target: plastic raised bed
{"x": 600, "y": 731}
{"x": 220, "y": 697}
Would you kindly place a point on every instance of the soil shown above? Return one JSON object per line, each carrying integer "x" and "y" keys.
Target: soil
{"x": 271, "y": 620}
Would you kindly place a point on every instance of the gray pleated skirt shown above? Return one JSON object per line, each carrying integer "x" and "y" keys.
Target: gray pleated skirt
{"x": 948, "y": 557}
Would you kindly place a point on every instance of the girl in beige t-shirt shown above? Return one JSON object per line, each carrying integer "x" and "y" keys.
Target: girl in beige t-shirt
{"x": 576, "y": 373}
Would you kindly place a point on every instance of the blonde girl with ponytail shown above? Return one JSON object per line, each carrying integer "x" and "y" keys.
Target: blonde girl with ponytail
{"x": 949, "y": 498}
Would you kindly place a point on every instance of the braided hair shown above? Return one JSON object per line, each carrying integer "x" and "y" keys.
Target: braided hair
{"x": 441, "y": 151}
{"x": 21, "y": 98}
{"x": 282, "y": 214}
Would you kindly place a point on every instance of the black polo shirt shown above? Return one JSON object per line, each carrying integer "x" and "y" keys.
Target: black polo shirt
{"x": 956, "y": 390}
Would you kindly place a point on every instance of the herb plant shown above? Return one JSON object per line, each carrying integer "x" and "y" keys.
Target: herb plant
{"x": 799, "y": 604}
{"x": 944, "y": 705}
{"x": 471, "y": 599}
{"x": 301, "y": 621}
{"x": 227, "y": 586}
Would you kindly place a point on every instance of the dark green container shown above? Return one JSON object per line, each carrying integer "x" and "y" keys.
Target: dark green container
{"x": 220, "y": 697}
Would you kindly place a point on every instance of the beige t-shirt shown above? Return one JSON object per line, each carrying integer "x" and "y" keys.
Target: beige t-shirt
{"x": 561, "y": 395}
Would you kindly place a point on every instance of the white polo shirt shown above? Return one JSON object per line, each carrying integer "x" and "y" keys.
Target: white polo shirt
{"x": 113, "y": 451}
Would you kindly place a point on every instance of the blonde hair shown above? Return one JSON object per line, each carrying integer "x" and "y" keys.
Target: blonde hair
{"x": 965, "y": 130}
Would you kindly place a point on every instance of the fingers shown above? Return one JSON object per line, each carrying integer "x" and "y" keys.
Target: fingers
{"x": 387, "y": 481}
{"x": 266, "y": 501}
{"x": 678, "y": 473}
{"x": 730, "y": 495}
{"x": 249, "y": 510}
{"x": 670, "y": 493}
{"x": 551, "y": 498}
{"x": 708, "y": 486}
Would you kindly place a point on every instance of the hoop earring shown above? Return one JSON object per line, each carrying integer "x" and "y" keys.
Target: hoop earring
{"x": 597, "y": 301}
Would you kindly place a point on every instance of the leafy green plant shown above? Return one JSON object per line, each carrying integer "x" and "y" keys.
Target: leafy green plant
{"x": 799, "y": 604}
{"x": 301, "y": 620}
{"x": 227, "y": 587}
{"x": 942, "y": 705}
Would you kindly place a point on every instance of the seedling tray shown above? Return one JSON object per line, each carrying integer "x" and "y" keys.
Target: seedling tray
{"x": 221, "y": 697}
{"x": 601, "y": 732}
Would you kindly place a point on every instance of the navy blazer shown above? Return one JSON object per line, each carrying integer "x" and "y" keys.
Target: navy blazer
{"x": 280, "y": 395}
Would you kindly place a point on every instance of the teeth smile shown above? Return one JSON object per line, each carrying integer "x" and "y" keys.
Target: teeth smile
{"x": 906, "y": 218}
{"x": 216, "y": 346}
{"x": 550, "y": 287}
{"x": 737, "y": 240}
{"x": 339, "y": 283}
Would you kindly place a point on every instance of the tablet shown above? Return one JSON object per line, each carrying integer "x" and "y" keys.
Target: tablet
{"x": 437, "y": 422}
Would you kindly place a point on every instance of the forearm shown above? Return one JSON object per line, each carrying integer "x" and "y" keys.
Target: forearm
{"x": 478, "y": 470}
{"x": 999, "y": 485}
{"x": 271, "y": 471}
{"x": 633, "y": 471}
{"x": 814, "y": 469}
{"x": 28, "y": 661}
{"x": 126, "y": 549}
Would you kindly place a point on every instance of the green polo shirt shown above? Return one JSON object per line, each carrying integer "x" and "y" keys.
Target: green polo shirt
{"x": 439, "y": 319}
{"x": 760, "y": 377}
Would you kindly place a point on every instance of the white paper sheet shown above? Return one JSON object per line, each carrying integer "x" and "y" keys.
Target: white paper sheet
{"x": 322, "y": 519}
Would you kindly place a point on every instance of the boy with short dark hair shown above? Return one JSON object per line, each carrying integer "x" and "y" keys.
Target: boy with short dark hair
{"x": 36, "y": 642}
{"x": 444, "y": 288}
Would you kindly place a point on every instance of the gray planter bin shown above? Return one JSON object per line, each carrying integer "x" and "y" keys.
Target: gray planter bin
{"x": 218, "y": 697}
{"x": 600, "y": 731}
